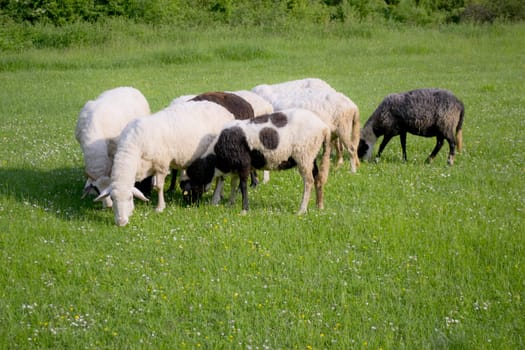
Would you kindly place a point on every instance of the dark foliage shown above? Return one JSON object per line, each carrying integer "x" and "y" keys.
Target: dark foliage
{"x": 242, "y": 12}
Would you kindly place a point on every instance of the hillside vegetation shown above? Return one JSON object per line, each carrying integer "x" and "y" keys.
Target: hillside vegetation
{"x": 243, "y": 12}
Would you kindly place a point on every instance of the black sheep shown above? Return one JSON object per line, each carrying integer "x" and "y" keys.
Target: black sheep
{"x": 423, "y": 112}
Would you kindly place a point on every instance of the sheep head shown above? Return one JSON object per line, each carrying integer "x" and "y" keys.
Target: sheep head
{"x": 122, "y": 202}
{"x": 198, "y": 177}
{"x": 366, "y": 144}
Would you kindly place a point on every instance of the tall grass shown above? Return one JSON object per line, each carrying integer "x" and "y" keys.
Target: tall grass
{"x": 405, "y": 255}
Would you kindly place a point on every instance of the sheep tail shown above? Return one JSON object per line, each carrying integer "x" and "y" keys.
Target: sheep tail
{"x": 459, "y": 129}
{"x": 356, "y": 135}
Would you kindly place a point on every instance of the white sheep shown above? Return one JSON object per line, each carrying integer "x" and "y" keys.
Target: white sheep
{"x": 334, "y": 108}
{"x": 277, "y": 141}
{"x": 171, "y": 138}
{"x": 99, "y": 125}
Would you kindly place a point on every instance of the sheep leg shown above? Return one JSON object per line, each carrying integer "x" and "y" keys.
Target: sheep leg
{"x": 338, "y": 151}
{"x": 439, "y": 143}
{"x": 452, "y": 151}
{"x": 173, "y": 181}
{"x": 234, "y": 185}
{"x": 318, "y": 186}
{"x": 403, "y": 139}
{"x": 308, "y": 179}
{"x": 322, "y": 173}
{"x": 384, "y": 142}
{"x": 344, "y": 138}
{"x": 217, "y": 194}
{"x": 159, "y": 186}
{"x": 254, "y": 180}
{"x": 244, "y": 191}
{"x": 266, "y": 176}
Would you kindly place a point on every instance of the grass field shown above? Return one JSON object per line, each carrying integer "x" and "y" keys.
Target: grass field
{"x": 404, "y": 256}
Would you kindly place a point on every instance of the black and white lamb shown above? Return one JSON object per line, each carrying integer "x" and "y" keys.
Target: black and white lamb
{"x": 237, "y": 103}
{"x": 277, "y": 141}
{"x": 423, "y": 112}
{"x": 98, "y": 128}
{"x": 334, "y": 108}
{"x": 241, "y": 109}
{"x": 170, "y": 139}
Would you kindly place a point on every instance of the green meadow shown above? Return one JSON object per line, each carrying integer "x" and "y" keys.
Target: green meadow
{"x": 404, "y": 255}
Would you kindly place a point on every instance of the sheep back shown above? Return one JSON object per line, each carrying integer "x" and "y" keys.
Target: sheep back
{"x": 260, "y": 105}
{"x": 171, "y": 138}
{"x": 236, "y": 105}
{"x": 271, "y": 139}
{"x": 100, "y": 123}
{"x": 272, "y": 91}
{"x": 423, "y": 112}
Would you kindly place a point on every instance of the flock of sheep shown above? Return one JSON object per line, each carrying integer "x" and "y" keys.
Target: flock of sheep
{"x": 128, "y": 150}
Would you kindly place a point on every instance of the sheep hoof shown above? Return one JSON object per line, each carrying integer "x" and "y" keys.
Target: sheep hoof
{"x": 159, "y": 210}
{"x": 244, "y": 212}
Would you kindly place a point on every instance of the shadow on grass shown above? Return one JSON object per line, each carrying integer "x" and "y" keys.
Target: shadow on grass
{"x": 59, "y": 191}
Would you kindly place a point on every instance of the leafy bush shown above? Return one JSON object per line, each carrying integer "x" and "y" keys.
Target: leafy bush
{"x": 266, "y": 13}
{"x": 488, "y": 11}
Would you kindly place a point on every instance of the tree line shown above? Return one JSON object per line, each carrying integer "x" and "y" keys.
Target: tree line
{"x": 257, "y": 12}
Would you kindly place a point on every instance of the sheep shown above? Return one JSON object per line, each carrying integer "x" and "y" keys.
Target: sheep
{"x": 243, "y": 104}
{"x": 277, "y": 141}
{"x": 238, "y": 106}
{"x": 98, "y": 128}
{"x": 423, "y": 112}
{"x": 334, "y": 108}
{"x": 260, "y": 107}
{"x": 171, "y": 138}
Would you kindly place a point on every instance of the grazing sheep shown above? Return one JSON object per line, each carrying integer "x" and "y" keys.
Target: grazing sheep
{"x": 244, "y": 105}
{"x": 239, "y": 107}
{"x": 236, "y": 105}
{"x": 334, "y": 108}
{"x": 423, "y": 112}
{"x": 276, "y": 141}
{"x": 99, "y": 125}
{"x": 171, "y": 138}
{"x": 260, "y": 107}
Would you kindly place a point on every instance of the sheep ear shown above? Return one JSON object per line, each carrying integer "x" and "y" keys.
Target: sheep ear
{"x": 88, "y": 189}
{"x": 103, "y": 194}
{"x": 136, "y": 193}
